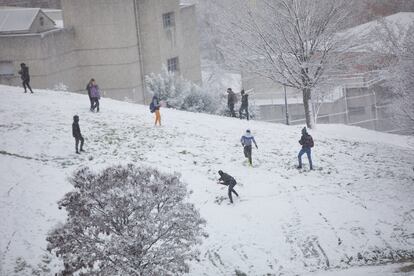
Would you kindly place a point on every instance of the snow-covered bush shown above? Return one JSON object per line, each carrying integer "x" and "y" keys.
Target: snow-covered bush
{"x": 180, "y": 93}
{"x": 126, "y": 220}
{"x": 60, "y": 87}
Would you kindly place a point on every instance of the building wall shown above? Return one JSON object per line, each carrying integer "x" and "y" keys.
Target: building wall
{"x": 160, "y": 44}
{"x": 49, "y": 56}
{"x": 190, "y": 49}
{"x": 106, "y": 46}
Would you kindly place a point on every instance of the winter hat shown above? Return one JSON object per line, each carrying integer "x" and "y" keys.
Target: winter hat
{"x": 76, "y": 118}
{"x": 248, "y": 131}
{"x": 304, "y": 130}
{"x": 228, "y": 89}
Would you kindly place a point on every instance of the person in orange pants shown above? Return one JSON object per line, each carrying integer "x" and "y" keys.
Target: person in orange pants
{"x": 156, "y": 106}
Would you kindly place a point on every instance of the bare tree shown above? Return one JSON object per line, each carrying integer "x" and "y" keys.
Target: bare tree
{"x": 397, "y": 42}
{"x": 291, "y": 42}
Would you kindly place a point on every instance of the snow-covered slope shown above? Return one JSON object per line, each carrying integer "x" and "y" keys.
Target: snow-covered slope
{"x": 356, "y": 208}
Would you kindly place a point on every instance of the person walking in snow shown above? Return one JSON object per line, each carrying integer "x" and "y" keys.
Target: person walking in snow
{"x": 307, "y": 143}
{"x": 244, "y": 104}
{"x": 77, "y": 134}
{"x": 228, "y": 180}
{"x": 231, "y": 101}
{"x": 88, "y": 88}
{"x": 247, "y": 140}
{"x": 24, "y": 75}
{"x": 155, "y": 106}
{"x": 95, "y": 95}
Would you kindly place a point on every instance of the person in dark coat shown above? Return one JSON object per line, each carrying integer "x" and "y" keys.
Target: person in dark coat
{"x": 24, "y": 74}
{"x": 247, "y": 141}
{"x": 77, "y": 134}
{"x": 88, "y": 88}
{"x": 228, "y": 180}
{"x": 244, "y": 104}
{"x": 231, "y": 101}
{"x": 95, "y": 95}
{"x": 307, "y": 143}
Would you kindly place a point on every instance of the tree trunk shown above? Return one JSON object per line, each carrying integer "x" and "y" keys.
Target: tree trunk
{"x": 307, "y": 105}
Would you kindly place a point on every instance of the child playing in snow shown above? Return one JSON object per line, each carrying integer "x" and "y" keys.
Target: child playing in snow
{"x": 228, "y": 180}
{"x": 246, "y": 141}
{"x": 77, "y": 134}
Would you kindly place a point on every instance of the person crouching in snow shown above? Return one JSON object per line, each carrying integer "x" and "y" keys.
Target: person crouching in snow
{"x": 77, "y": 134}
{"x": 156, "y": 105}
{"x": 246, "y": 141}
{"x": 307, "y": 143}
{"x": 228, "y": 180}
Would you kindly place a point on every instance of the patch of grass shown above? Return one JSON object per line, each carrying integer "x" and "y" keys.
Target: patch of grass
{"x": 240, "y": 273}
{"x": 407, "y": 268}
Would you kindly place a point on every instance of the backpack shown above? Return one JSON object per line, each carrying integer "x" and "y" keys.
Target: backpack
{"x": 152, "y": 107}
{"x": 309, "y": 141}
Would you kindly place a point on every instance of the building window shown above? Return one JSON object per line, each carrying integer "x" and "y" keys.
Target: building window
{"x": 6, "y": 68}
{"x": 168, "y": 20}
{"x": 42, "y": 21}
{"x": 173, "y": 65}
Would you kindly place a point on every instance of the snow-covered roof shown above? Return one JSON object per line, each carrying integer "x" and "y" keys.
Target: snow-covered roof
{"x": 187, "y": 3}
{"x": 403, "y": 19}
{"x": 18, "y": 20}
{"x": 368, "y": 33}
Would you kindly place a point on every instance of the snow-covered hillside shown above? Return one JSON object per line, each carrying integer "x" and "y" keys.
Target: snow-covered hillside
{"x": 356, "y": 208}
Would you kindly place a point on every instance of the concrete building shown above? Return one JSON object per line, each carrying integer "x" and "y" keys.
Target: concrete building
{"x": 117, "y": 42}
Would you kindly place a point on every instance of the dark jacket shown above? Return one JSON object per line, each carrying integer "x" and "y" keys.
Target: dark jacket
{"x": 24, "y": 73}
{"x": 245, "y": 100}
{"x": 76, "y": 130}
{"x": 227, "y": 179}
{"x": 88, "y": 88}
{"x": 156, "y": 103}
{"x": 231, "y": 98}
{"x": 306, "y": 141}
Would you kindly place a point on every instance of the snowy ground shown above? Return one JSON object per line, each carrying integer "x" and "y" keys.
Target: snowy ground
{"x": 355, "y": 209}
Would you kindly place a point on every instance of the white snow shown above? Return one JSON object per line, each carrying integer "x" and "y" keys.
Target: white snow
{"x": 359, "y": 200}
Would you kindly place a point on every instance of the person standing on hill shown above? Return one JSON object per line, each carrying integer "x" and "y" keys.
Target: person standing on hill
{"x": 155, "y": 107}
{"x": 247, "y": 140}
{"x": 231, "y": 101}
{"x": 24, "y": 74}
{"x": 77, "y": 134}
{"x": 307, "y": 143}
{"x": 244, "y": 104}
{"x": 88, "y": 88}
{"x": 228, "y": 180}
{"x": 95, "y": 95}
